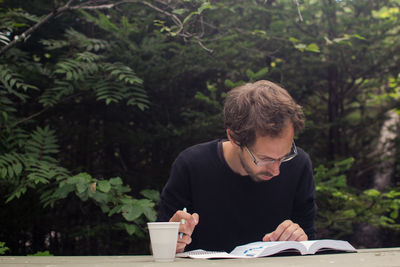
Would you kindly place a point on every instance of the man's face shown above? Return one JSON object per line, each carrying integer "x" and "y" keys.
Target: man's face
{"x": 266, "y": 148}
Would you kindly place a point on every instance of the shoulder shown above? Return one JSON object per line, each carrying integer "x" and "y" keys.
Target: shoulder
{"x": 199, "y": 151}
{"x": 196, "y": 159}
{"x": 301, "y": 162}
{"x": 302, "y": 155}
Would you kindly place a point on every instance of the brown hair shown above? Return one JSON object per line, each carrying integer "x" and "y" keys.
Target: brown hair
{"x": 260, "y": 108}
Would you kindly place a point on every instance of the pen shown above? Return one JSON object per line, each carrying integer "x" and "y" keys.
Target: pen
{"x": 183, "y": 221}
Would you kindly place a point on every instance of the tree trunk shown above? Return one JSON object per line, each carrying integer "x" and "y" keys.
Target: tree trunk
{"x": 386, "y": 152}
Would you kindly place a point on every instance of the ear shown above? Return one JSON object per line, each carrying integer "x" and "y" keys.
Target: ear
{"x": 230, "y": 138}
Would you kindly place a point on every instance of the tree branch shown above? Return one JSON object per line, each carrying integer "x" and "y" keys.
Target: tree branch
{"x": 31, "y": 116}
{"x": 87, "y": 6}
{"x": 29, "y": 31}
{"x": 298, "y": 10}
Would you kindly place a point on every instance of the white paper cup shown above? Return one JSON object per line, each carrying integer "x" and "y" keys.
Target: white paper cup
{"x": 163, "y": 237}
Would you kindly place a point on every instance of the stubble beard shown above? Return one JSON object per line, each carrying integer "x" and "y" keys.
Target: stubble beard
{"x": 255, "y": 176}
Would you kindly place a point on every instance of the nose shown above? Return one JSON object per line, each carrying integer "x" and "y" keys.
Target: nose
{"x": 274, "y": 168}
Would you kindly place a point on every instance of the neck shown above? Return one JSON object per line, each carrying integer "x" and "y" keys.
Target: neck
{"x": 231, "y": 155}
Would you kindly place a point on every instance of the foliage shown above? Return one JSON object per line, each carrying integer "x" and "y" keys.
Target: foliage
{"x": 71, "y": 69}
{"x": 41, "y": 253}
{"x": 120, "y": 91}
{"x": 110, "y": 81}
{"x": 110, "y": 195}
{"x": 3, "y": 248}
{"x": 341, "y": 207}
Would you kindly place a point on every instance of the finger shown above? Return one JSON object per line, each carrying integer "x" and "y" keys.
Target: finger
{"x": 190, "y": 221}
{"x": 293, "y": 233}
{"x": 182, "y": 243}
{"x": 276, "y": 235}
{"x": 267, "y": 237}
{"x": 289, "y": 233}
{"x": 186, "y": 239}
{"x": 180, "y": 247}
{"x": 179, "y": 215}
{"x": 301, "y": 236}
{"x": 188, "y": 227}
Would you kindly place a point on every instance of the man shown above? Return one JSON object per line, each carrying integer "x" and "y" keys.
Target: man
{"x": 256, "y": 185}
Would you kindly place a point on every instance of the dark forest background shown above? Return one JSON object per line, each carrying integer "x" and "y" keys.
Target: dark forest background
{"x": 97, "y": 98}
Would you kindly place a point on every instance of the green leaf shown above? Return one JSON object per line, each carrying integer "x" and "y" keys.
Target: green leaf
{"x": 132, "y": 212}
{"x": 101, "y": 199}
{"x": 150, "y": 214}
{"x": 372, "y": 192}
{"x": 394, "y": 214}
{"x": 189, "y": 16}
{"x": 151, "y": 194}
{"x": 17, "y": 168}
{"x": 81, "y": 187}
{"x": 179, "y": 11}
{"x": 358, "y": 37}
{"x": 104, "y": 186}
{"x": 131, "y": 228}
{"x": 261, "y": 73}
{"x": 249, "y": 73}
{"x": 300, "y": 47}
{"x": 116, "y": 209}
{"x": 349, "y": 213}
{"x": 116, "y": 181}
{"x": 3, "y": 248}
{"x": 63, "y": 191}
{"x": 206, "y": 5}
{"x": 41, "y": 253}
{"x": 313, "y": 48}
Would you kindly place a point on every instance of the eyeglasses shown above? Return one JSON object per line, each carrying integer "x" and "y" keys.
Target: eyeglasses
{"x": 291, "y": 155}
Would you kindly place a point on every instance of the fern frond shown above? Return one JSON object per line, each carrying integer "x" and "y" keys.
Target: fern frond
{"x": 25, "y": 172}
{"x": 138, "y": 99}
{"x": 13, "y": 139}
{"x": 40, "y": 171}
{"x": 35, "y": 165}
{"x": 88, "y": 57}
{"x": 109, "y": 91}
{"x": 75, "y": 70}
{"x": 123, "y": 73}
{"x": 6, "y": 105}
{"x": 19, "y": 13}
{"x": 102, "y": 21}
{"x": 13, "y": 82}
{"x": 4, "y": 38}
{"x": 121, "y": 83}
{"x": 42, "y": 143}
{"x": 54, "y": 44}
{"x": 53, "y": 95}
{"x": 82, "y": 41}
{"x": 11, "y": 165}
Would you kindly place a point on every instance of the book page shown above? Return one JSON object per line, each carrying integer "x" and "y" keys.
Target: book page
{"x": 203, "y": 254}
{"x": 328, "y": 244}
{"x": 262, "y": 249}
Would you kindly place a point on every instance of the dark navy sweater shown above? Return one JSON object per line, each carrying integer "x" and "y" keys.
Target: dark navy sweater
{"x": 233, "y": 209}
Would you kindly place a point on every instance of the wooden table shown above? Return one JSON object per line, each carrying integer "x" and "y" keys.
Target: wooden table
{"x": 385, "y": 257}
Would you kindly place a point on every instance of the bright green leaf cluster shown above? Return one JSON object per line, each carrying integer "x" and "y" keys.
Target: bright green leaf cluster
{"x": 110, "y": 195}
{"x": 341, "y": 207}
{"x": 3, "y": 248}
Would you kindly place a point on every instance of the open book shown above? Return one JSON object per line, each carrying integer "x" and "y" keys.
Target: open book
{"x": 263, "y": 249}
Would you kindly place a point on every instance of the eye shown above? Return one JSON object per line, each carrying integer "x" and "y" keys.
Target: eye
{"x": 266, "y": 159}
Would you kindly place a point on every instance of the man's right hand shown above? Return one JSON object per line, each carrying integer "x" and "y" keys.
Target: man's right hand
{"x": 187, "y": 229}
